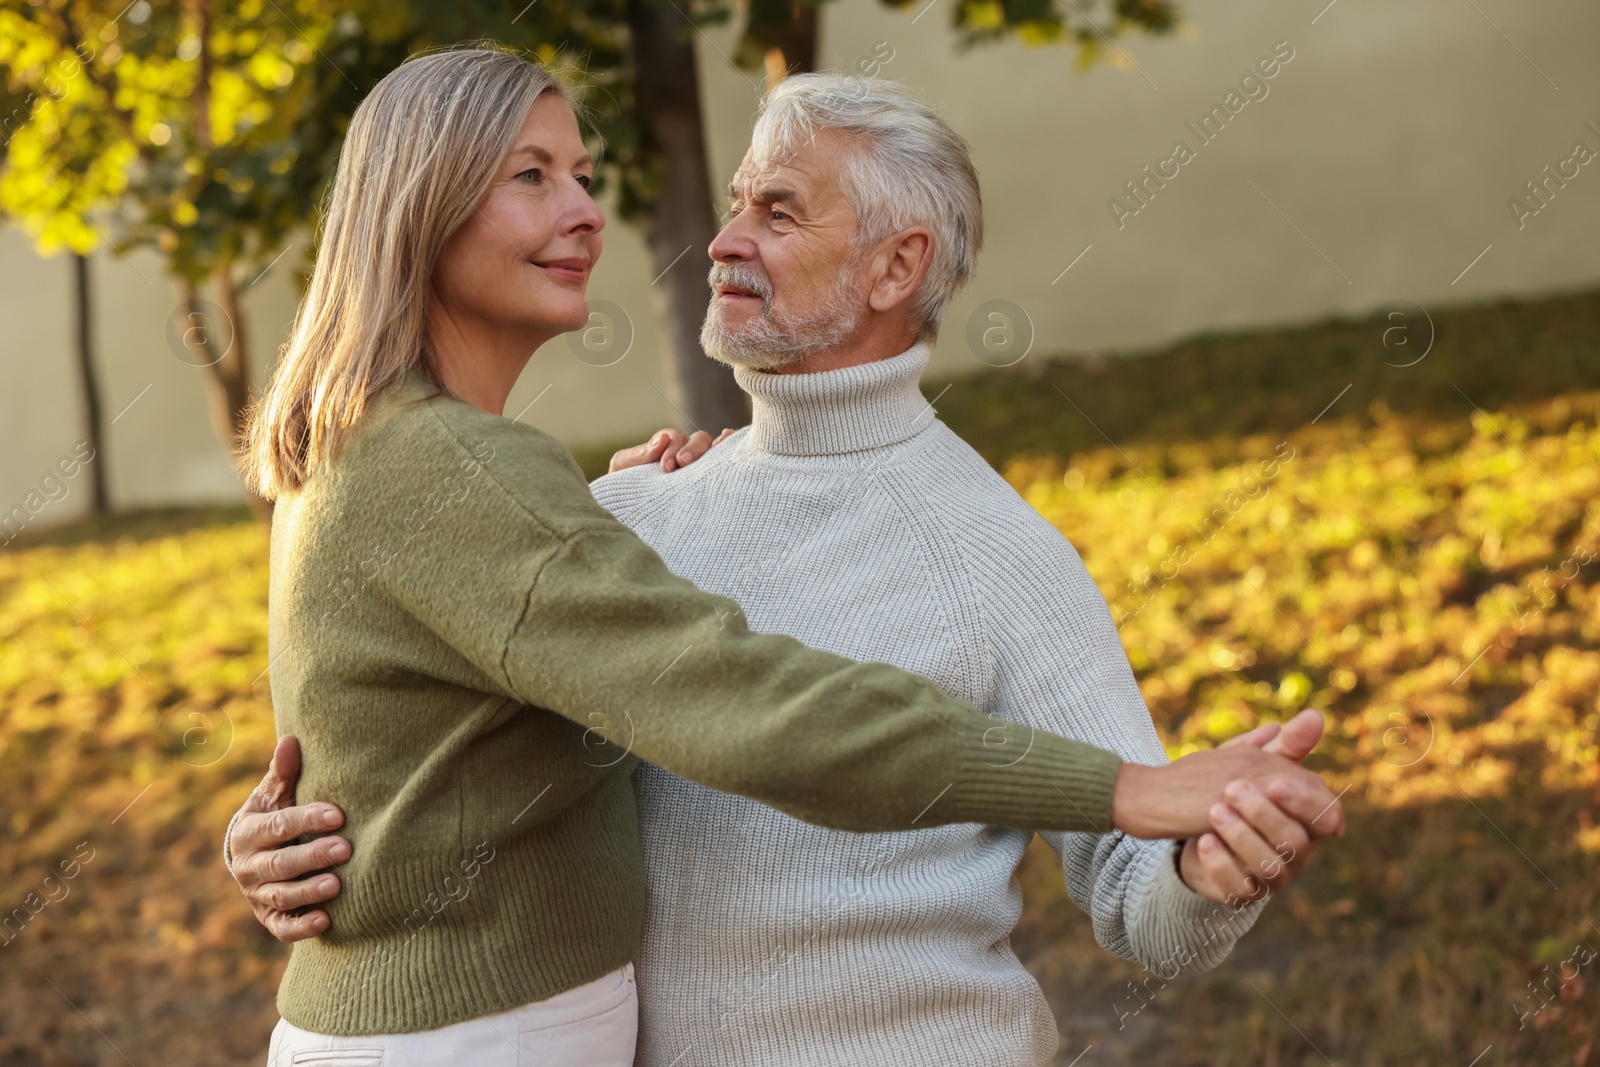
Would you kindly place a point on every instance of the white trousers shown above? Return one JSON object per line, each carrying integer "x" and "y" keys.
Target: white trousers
{"x": 594, "y": 1025}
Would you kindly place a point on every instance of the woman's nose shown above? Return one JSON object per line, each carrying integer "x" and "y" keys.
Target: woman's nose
{"x": 584, "y": 214}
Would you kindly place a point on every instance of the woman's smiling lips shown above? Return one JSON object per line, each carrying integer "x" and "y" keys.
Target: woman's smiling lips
{"x": 574, "y": 269}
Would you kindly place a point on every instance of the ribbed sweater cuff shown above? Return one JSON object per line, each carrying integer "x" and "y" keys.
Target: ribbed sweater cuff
{"x": 1020, "y": 777}
{"x": 1174, "y": 930}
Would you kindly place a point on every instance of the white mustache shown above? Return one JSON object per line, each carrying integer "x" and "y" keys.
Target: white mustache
{"x": 741, "y": 275}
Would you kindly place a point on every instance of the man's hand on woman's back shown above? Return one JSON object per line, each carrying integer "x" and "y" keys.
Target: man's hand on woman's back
{"x": 272, "y": 851}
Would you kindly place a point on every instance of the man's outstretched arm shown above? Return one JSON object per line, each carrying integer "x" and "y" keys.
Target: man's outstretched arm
{"x": 1060, "y": 666}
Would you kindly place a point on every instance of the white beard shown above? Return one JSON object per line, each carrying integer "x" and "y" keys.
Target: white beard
{"x": 775, "y": 338}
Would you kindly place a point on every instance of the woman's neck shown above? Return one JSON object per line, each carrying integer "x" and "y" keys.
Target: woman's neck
{"x": 476, "y": 362}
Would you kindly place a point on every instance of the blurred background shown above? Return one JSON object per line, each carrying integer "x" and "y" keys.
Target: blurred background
{"x": 1373, "y": 261}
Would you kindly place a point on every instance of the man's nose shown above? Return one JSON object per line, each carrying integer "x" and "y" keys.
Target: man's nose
{"x": 731, "y": 244}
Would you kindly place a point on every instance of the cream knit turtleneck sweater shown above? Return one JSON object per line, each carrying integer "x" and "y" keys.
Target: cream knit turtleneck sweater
{"x": 848, "y": 516}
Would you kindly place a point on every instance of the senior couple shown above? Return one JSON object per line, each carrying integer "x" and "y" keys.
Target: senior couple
{"x": 765, "y": 807}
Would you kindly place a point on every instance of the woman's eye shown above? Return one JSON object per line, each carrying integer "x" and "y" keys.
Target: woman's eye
{"x": 532, "y": 174}
{"x": 585, "y": 181}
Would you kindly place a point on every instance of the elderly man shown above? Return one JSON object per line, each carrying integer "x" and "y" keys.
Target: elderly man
{"x": 848, "y": 516}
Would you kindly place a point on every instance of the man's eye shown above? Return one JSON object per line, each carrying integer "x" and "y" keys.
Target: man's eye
{"x": 779, "y": 216}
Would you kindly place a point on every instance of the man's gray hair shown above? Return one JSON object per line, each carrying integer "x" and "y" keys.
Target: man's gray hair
{"x": 907, "y": 168}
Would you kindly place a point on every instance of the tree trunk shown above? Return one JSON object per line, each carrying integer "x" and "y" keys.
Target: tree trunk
{"x": 683, "y": 221}
{"x": 227, "y": 371}
{"x": 785, "y": 33}
{"x": 222, "y": 349}
{"x": 99, "y": 503}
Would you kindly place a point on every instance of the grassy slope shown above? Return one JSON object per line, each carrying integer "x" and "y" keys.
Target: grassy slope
{"x": 1407, "y": 534}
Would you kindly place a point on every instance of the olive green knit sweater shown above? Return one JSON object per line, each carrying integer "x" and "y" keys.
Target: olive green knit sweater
{"x": 474, "y": 654}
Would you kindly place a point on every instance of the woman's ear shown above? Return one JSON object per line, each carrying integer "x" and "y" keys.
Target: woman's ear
{"x": 904, "y": 263}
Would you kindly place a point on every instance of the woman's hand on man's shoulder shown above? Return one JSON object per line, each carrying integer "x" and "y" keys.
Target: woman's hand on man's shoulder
{"x": 669, "y": 447}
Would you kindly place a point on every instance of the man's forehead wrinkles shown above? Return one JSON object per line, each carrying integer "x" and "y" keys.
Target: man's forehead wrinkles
{"x": 791, "y": 176}
{"x": 748, "y": 177}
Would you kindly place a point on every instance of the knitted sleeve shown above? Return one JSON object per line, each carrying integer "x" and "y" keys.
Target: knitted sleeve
{"x": 562, "y": 607}
{"x": 1060, "y": 666}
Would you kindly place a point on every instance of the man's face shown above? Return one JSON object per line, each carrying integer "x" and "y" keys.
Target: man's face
{"x": 786, "y": 281}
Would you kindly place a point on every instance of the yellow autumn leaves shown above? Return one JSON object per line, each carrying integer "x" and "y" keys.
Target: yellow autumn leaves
{"x": 1443, "y": 567}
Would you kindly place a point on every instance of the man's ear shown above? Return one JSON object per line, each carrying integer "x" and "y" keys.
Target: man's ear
{"x": 903, "y": 262}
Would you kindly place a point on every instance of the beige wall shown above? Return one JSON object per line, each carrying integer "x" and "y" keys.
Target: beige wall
{"x": 161, "y": 447}
{"x": 1391, "y": 142}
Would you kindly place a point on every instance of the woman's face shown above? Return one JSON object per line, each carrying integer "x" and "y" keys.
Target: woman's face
{"x": 520, "y": 264}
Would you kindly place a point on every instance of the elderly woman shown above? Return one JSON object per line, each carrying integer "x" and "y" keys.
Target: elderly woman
{"x": 474, "y": 654}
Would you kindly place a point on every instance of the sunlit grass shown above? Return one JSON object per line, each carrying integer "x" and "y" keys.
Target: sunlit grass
{"x": 132, "y": 727}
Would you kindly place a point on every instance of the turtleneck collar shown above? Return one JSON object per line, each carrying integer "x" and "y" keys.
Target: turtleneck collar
{"x": 852, "y": 409}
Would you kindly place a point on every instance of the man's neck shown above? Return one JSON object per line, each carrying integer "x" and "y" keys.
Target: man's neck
{"x": 869, "y": 344}
{"x": 849, "y": 409}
